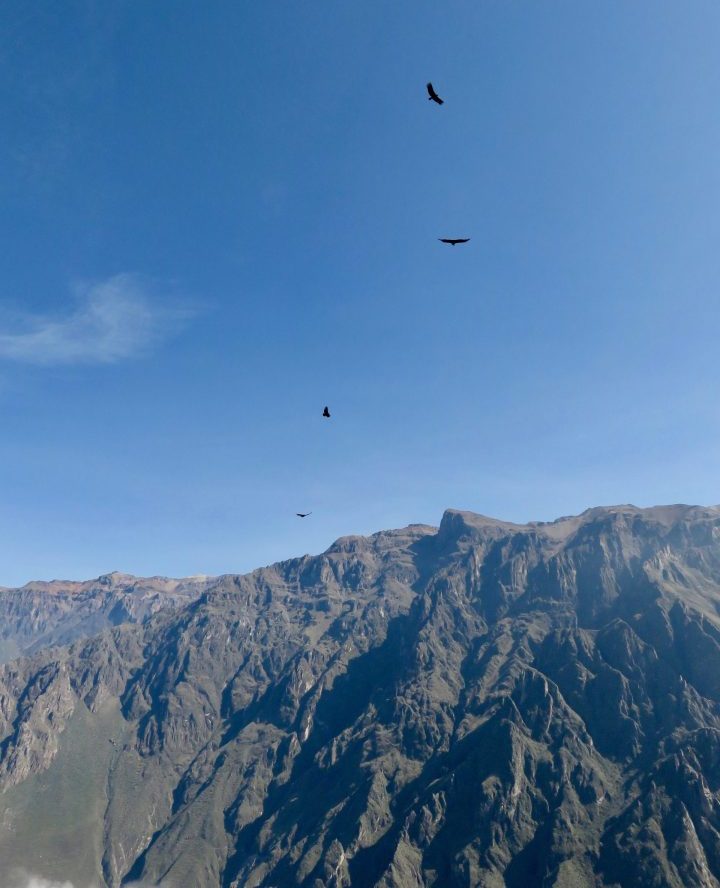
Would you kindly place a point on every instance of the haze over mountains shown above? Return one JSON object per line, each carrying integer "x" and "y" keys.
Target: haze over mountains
{"x": 479, "y": 704}
{"x": 42, "y": 614}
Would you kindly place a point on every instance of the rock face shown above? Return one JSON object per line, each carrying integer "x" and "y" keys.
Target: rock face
{"x": 482, "y": 704}
{"x": 39, "y": 615}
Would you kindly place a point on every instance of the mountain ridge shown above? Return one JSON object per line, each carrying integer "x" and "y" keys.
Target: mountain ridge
{"x": 43, "y": 613}
{"x": 480, "y": 703}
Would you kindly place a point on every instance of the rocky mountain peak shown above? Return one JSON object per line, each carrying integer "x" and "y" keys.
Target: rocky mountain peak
{"x": 484, "y": 703}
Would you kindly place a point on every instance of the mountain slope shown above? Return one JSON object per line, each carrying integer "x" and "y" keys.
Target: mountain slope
{"x": 482, "y": 704}
{"x": 42, "y": 614}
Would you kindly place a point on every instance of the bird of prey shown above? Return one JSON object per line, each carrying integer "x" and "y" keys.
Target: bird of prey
{"x": 454, "y": 240}
{"x": 303, "y": 514}
{"x": 433, "y": 96}
{"x": 326, "y": 413}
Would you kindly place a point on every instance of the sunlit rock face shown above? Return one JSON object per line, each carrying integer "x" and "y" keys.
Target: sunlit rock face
{"x": 42, "y": 614}
{"x": 479, "y": 704}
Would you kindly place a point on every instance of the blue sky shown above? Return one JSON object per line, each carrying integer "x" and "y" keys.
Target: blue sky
{"x": 221, "y": 216}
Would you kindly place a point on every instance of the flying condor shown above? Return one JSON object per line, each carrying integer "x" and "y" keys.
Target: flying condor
{"x": 432, "y": 95}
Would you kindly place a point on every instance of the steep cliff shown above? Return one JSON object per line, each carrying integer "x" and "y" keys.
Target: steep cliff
{"x": 482, "y": 704}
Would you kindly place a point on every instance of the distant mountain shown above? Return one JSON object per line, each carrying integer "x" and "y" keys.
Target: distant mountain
{"x": 482, "y": 704}
{"x": 42, "y": 614}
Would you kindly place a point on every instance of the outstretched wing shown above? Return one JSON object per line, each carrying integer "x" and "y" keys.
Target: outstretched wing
{"x": 433, "y": 95}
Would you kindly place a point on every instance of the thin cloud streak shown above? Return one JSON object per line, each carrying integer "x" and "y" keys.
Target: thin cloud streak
{"x": 21, "y": 878}
{"x": 114, "y": 320}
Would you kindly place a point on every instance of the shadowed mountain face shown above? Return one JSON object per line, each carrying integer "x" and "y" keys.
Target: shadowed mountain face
{"x": 483, "y": 704}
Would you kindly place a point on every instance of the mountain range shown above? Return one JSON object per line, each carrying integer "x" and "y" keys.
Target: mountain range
{"x": 41, "y": 614}
{"x": 477, "y": 704}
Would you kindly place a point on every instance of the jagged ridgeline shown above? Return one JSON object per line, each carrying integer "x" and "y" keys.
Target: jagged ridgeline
{"x": 483, "y": 704}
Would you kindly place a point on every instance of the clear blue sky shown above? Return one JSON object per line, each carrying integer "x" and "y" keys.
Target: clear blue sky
{"x": 220, "y": 216}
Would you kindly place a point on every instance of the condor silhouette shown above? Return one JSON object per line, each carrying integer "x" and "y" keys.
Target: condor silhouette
{"x": 433, "y": 96}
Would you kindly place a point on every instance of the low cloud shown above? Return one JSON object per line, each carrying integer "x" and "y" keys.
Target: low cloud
{"x": 23, "y": 879}
{"x": 113, "y": 320}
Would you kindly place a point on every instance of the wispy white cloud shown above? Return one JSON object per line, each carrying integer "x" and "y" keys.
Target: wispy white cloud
{"x": 22, "y": 879}
{"x": 112, "y": 320}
